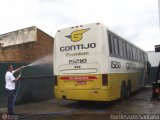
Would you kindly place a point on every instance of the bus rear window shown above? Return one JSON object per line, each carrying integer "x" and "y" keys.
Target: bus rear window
{"x": 79, "y": 71}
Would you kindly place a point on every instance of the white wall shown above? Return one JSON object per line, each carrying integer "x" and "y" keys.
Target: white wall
{"x": 154, "y": 58}
{"x": 18, "y": 37}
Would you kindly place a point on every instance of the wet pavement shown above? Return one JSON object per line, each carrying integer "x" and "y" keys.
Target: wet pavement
{"x": 138, "y": 105}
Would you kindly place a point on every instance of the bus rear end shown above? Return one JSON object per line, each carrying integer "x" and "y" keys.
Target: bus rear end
{"x": 78, "y": 55}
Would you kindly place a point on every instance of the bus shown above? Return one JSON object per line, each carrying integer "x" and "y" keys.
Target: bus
{"x": 92, "y": 63}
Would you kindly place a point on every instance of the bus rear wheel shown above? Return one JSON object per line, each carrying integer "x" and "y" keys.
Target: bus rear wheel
{"x": 129, "y": 89}
{"x": 124, "y": 91}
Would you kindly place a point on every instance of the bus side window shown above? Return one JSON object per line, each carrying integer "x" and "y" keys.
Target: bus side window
{"x": 131, "y": 51}
{"x": 110, "y": 44}
{"x": 116, "y": 47}
{"x": 120, "y": 48}
{"x": 142, "y": 57}
{"x": 124, "y": 49}
{"x": 134, "y": 57}
{"x": 139, "y": 56}
{"x": 128, "y": 51}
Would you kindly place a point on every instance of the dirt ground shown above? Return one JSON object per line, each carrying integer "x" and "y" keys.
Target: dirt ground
{"x": 138, "y": 106}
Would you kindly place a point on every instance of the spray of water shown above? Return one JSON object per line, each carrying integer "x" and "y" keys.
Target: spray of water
{"x": 44, "y": 60}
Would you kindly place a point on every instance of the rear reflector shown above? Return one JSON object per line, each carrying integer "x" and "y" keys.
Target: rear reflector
{"x": 79, "y": 78}
{"x": 104, "y": 80}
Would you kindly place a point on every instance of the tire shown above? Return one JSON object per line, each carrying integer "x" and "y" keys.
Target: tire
{"x": 129, "y": 89}
{"x": 124, "y": 91}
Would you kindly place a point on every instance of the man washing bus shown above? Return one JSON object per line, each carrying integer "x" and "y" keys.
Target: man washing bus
{"x": 10, "y": 86}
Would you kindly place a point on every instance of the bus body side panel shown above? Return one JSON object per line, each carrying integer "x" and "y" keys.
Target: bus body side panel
{"x": 115, "y": 81}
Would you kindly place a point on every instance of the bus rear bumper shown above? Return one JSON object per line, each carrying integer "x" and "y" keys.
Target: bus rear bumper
{"x": 88, "y": 95}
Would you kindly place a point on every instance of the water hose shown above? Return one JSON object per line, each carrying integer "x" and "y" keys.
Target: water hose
{"x": 45, "y": 113}
{"x": 19, "y": 83}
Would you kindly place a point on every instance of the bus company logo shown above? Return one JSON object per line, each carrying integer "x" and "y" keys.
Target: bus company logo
{"x": 77, "y": 35}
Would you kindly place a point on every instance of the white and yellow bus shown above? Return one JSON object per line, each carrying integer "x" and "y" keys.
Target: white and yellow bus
{"x": 93, "y": 63}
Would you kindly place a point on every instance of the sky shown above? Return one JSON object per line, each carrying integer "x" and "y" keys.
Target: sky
{"x": 135, "y": 20}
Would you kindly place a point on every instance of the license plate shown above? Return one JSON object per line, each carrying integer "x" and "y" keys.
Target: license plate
{"x": 81, "y": 82}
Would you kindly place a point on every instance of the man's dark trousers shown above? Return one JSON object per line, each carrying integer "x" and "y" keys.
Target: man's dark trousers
{"x": 11, "y": 94}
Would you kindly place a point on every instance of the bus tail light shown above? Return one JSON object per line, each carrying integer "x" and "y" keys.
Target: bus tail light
{"x": 55, "y": 80}
{"x": 79, "y": 78}
{"x": 104, "y": 80}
